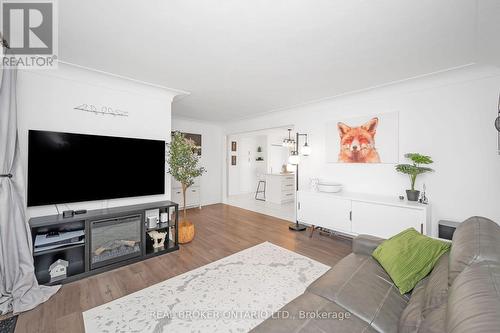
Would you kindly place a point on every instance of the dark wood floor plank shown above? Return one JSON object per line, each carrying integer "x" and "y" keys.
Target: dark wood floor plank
{"x": 221, "y": 230}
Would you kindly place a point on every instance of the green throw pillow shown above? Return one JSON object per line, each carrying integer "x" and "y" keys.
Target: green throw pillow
{"x": 408, "y": 257}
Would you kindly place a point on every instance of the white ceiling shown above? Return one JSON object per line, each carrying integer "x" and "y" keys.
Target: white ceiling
{"x": 239, "y": 58}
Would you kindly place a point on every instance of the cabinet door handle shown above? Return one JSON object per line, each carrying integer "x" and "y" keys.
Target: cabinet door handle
{"x": 422, "y": 228}
{"x": 298, "y": 205}
{"x": 350, "y": 215}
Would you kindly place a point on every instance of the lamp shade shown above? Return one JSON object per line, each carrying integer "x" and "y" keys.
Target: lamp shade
{"x": 294, "y": 158}
{"x": 306, "y": 150}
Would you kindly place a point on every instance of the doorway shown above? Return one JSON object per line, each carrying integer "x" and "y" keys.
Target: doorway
{"x": 259, "y": 177}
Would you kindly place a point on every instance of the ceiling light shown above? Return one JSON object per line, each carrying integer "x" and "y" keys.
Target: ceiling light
{"x": 289, "y": 142}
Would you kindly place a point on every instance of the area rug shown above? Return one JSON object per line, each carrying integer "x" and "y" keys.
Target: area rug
{"x": 8, "y": 325}
{"x": 233, "y": 294}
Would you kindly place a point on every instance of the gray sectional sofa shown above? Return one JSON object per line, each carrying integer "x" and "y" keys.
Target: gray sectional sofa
{"x": 460, "y": 295}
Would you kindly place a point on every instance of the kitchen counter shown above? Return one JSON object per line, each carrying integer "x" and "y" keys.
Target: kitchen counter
{"x": 280, "y": 187}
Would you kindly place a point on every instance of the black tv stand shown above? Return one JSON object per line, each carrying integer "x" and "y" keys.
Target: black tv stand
{"x": 82, "y": 256}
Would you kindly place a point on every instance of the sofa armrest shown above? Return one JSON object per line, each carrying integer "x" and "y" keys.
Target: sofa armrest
{"x": 365, "y": 244}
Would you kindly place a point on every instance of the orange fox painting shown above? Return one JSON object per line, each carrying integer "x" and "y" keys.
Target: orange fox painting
{"x": 366, "y": 139}
{"x": 357, "y": 144}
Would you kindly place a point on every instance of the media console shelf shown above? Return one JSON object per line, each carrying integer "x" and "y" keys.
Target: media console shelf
{"x": 108, "y": 238}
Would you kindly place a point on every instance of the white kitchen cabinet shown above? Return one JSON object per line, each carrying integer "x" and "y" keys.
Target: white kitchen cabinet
{"x": 280, "y": 188}
{"x": 357, "y": 213}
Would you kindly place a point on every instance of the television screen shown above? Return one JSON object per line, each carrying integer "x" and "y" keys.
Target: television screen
{"x": 65, "y": 167}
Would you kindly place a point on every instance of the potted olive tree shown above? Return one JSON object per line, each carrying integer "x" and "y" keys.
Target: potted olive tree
{"x": 183, "y": 166}
{"x": 413, "y": 170}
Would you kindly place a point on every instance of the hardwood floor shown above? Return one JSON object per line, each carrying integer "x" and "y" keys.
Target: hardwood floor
{"x": 221, "y": 230}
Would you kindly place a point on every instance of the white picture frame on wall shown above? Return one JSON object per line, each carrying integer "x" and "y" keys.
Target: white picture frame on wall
{"x": 364, "y": 139}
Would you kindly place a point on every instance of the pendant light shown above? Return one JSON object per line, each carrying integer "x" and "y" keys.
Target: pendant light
{"x": 289, "y": 142}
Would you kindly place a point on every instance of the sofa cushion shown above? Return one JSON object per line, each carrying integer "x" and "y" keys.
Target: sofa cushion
{"x": 411, "y": 318}
{"x": 299, "y": 316}
{"x": 361, "y": 286}
{"x": 474, "y": 300}
{"x": 414, "y": 319}
{"x": 409, "y": 256}
{"x": 475, "y": 240}
{"x": 434, "y": 321}
{"x": 436, "y": 289}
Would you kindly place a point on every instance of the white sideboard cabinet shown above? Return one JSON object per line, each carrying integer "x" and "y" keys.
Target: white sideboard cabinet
{"x": 357, "y": 213}
{"x": 193, "y": 194}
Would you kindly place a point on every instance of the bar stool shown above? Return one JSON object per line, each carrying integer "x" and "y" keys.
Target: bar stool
{"x": 261, "y": 190}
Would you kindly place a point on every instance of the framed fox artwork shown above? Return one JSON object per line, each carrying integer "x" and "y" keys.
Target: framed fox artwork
{"x": 367, "y": 139}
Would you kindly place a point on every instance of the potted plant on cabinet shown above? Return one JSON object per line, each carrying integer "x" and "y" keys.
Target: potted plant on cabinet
{"x": 413, "y": 170}
{"x": 183, "y": 166}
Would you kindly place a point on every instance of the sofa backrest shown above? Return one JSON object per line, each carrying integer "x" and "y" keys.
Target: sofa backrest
{"x": 474, "y": 278}
{"x": 474, "y": 300}
{"x": 477, "y": 239}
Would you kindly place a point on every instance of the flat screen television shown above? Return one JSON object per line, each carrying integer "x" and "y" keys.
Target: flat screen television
{"x": 66, "y": 167}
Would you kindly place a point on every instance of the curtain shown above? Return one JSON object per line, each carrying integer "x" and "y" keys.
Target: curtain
{"x": 19, "y": 289}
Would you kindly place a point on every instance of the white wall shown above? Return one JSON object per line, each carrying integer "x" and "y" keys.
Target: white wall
{"x": 46, "y": 99}
{"x": 243, "y": 176}
{"x": 448, "y": 116}
{"x": 211, "y": 156}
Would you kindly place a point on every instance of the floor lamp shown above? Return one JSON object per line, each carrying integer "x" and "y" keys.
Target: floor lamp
{"x": 295, "y": 159}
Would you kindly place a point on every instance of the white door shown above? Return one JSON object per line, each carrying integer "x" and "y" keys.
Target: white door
{"x": 383, "y": 220}
{"x": 324, "y": 210}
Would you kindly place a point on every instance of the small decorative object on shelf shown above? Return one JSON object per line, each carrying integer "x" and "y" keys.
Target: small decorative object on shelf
{"x": 152, "y": 221}
{"x": 423, "y": 198}
{"x": 152, "y": 217}
{"x": 401, "y": 197}
{"x": 58, "y": 269}
{"x": 101, "y": 110}
{"x": 413, "y": 170}
{"x": 158, "y": 238}
{"x": 163, "y": 217}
